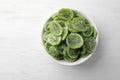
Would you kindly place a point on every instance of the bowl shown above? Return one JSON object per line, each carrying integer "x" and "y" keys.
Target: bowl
{"x": 80, "y": 60}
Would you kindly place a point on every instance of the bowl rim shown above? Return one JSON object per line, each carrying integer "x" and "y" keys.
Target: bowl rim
{"x": 80, "y": 60}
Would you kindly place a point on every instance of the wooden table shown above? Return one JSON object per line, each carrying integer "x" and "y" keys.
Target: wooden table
{"x": 21, "y": 52}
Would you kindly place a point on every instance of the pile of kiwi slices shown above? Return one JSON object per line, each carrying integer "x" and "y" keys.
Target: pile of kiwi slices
{"x": 67, "y": 35}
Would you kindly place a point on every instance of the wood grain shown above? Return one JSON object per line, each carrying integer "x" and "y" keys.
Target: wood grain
{"x": 21, "y": 51}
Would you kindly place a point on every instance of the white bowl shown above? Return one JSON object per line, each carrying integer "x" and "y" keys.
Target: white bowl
{"x": 80, "y": 60}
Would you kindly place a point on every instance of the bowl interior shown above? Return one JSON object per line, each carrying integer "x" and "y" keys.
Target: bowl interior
{"x": 81, "y": 60}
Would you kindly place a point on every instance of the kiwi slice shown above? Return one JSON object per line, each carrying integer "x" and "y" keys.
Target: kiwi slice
{"x": 74, "y": 40}
{"x": 53, "y": 40}
{"x": 79, "y": 24}
{"x": 65, "y": 14}
{"x": 55, "y": 28}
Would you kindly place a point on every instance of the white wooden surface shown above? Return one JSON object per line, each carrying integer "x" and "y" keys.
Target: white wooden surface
{"x": 21, "y": 53}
